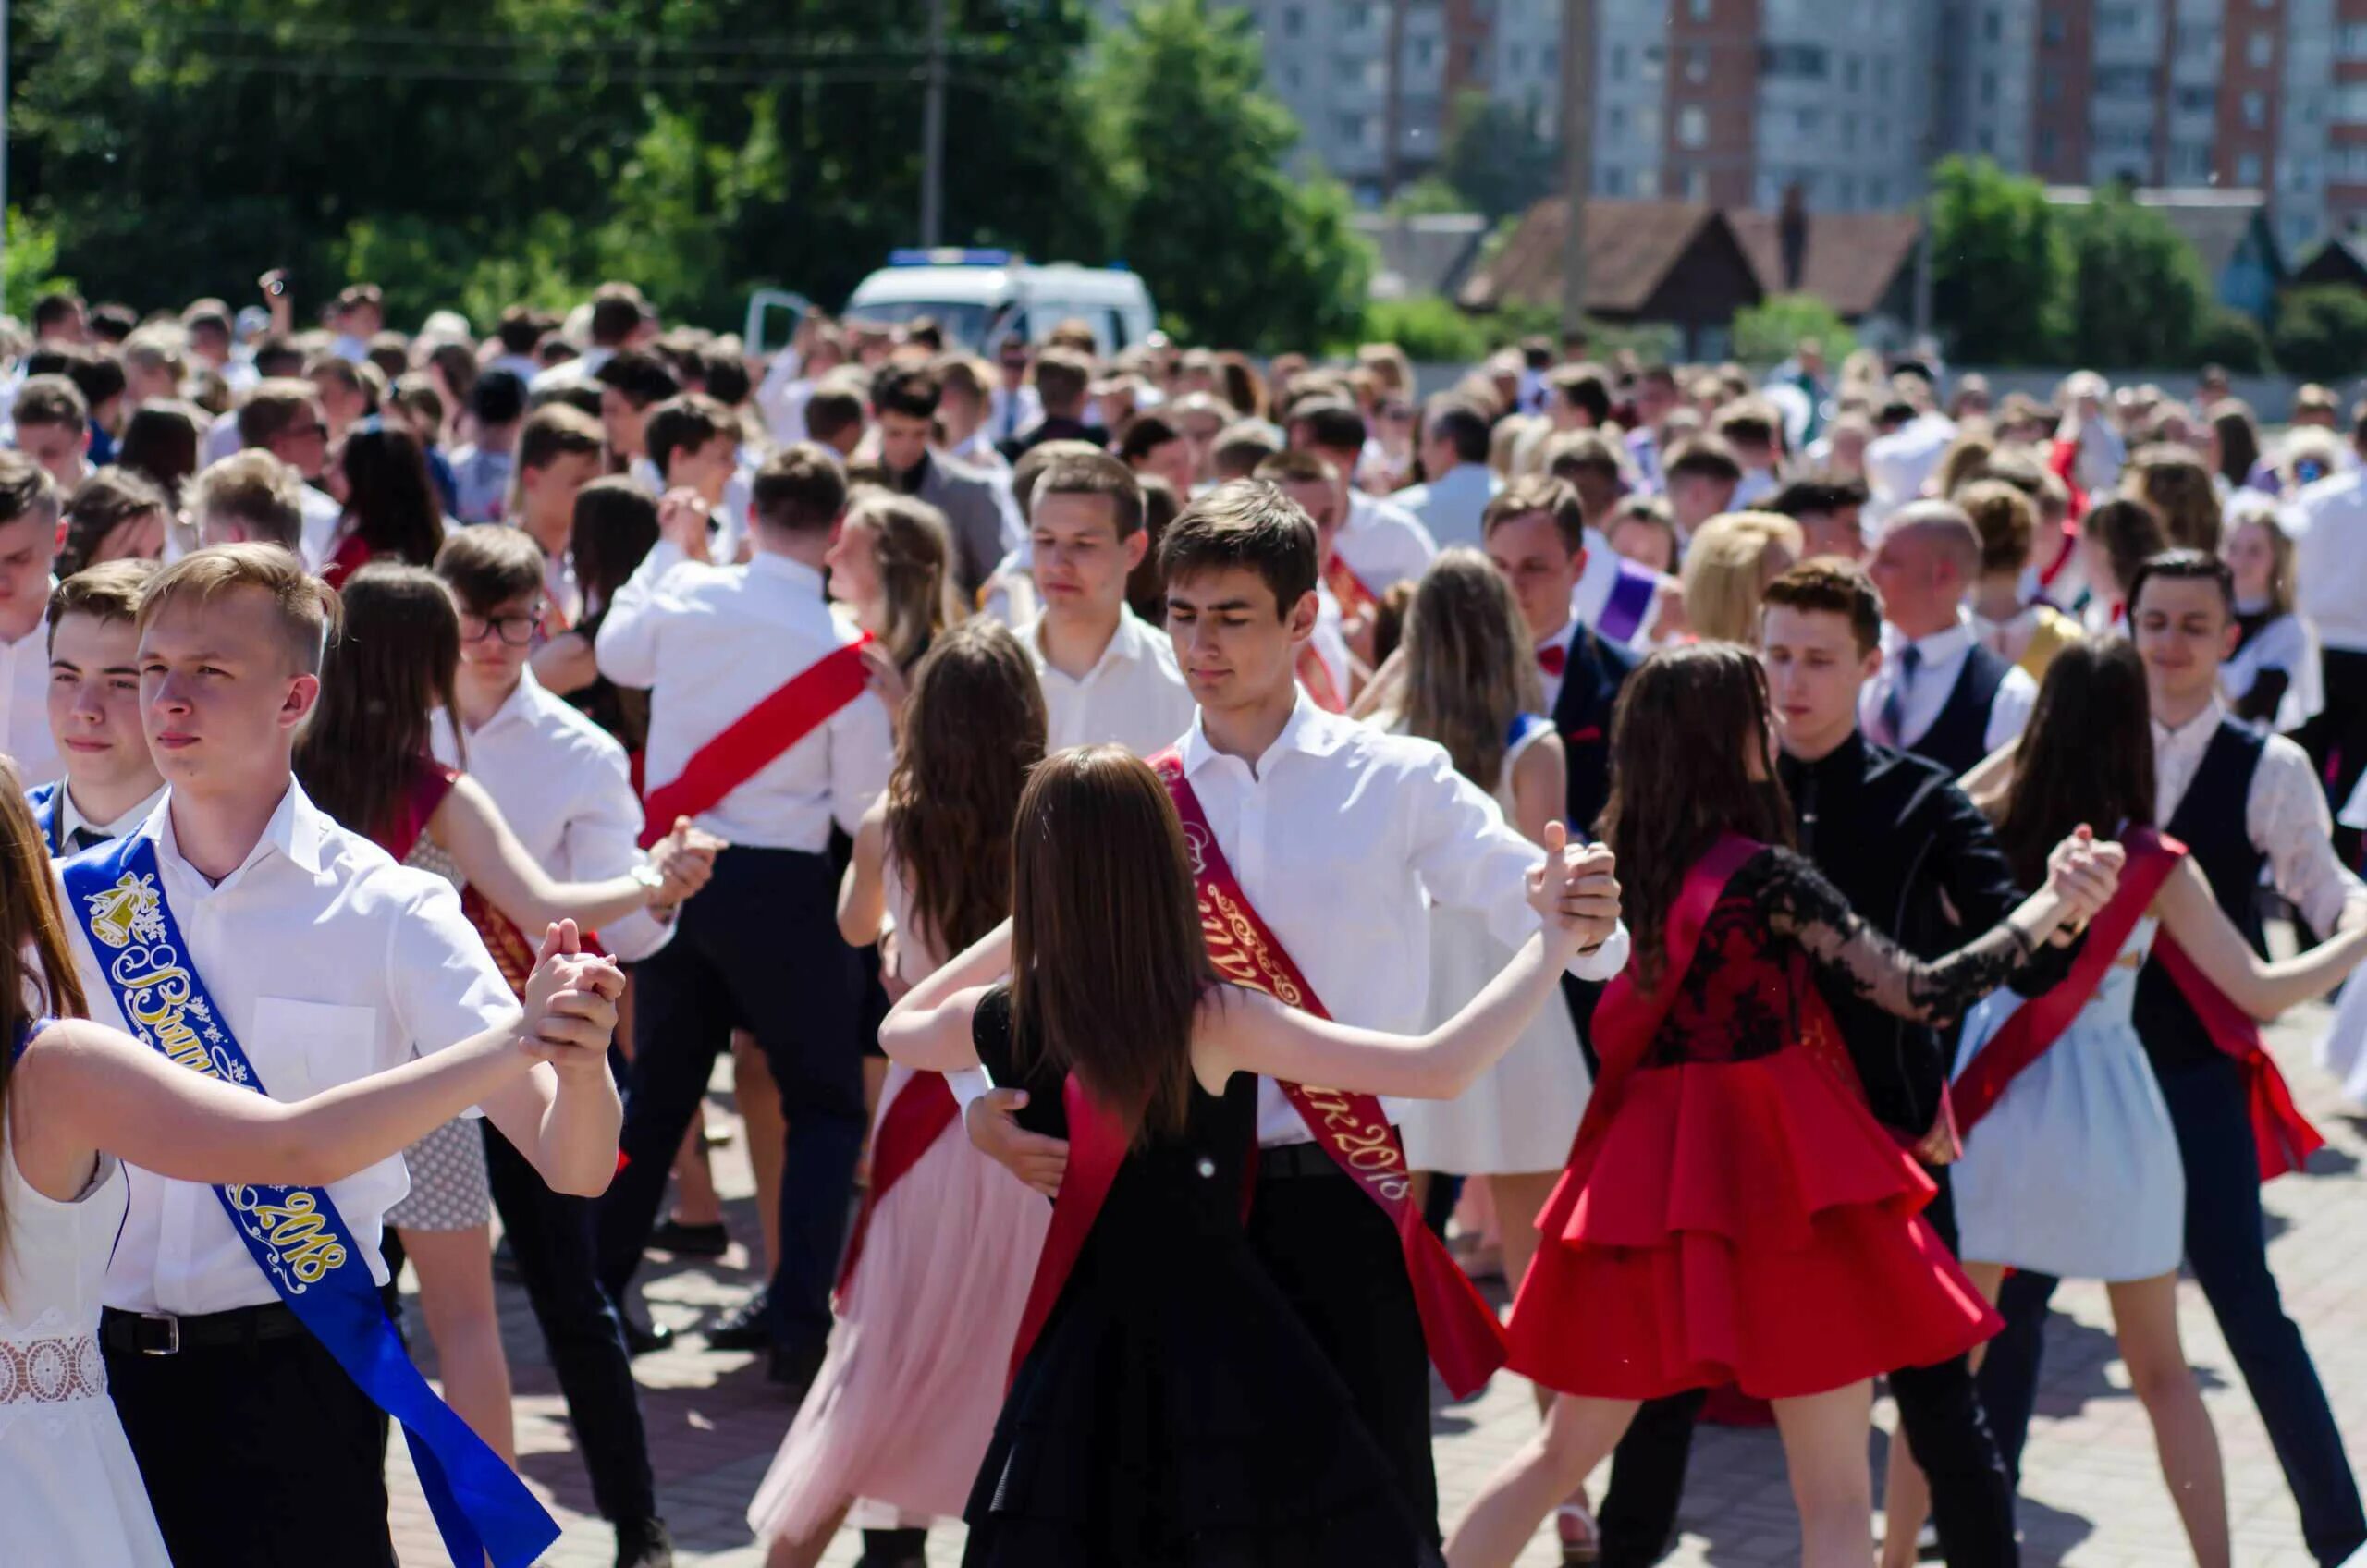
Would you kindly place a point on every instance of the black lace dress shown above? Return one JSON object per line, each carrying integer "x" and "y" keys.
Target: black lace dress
{"x": 1739, "y": 1217}
{"x": 1175, "y": 1412}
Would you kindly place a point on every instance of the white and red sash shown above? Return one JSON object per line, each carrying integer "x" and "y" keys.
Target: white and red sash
{"x": 923, "y": 1108}
{"x": 749, "y": 743}
{"x": 1357, "y": 600}
{"x": 1315, "y": 676}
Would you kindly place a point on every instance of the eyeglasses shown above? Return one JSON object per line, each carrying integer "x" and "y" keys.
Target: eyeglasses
{"x": 515, "y": 630}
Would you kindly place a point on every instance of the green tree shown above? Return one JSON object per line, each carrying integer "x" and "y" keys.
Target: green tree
{"x": 32, "y": 265}
{"x": 2322, "y": 332}
{"x": 1234, "y": 246}
{"x": 2001, "y": 266}
{"x": 1766, "y": 333}
{"x": 1496, "y": 156}
{"x": 2138, "y": 292}
{"x": 2230, "y": 338}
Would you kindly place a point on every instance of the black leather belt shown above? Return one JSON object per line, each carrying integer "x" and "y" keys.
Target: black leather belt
{"x": 161, "y": 1334}
{"x": 1282, "y": 1163}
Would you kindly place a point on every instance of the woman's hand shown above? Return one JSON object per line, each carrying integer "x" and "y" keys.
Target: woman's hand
{"x": 684, "y": 859}
{"x": 682, "y": 518}
{"x": 1574, "y": 892}
{"x": 570, "y": 1005}
{"x": 883, "y": 680}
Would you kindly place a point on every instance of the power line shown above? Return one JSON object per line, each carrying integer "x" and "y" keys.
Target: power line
{"x": 622, "y": 73}
{"x": 338, "y": 35}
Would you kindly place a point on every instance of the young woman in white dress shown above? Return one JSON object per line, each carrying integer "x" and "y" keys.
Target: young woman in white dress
{"x": 78, "y": 1099}
{"x": 2075, "y": 1171}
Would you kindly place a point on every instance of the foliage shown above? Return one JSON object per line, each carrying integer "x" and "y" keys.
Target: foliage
{"x": 2322, "y": 332}
{"x": 1431, "y": 330}
{"x": 2228, "y": 337}
{"x": 32, "y": 265}
{"x": 1496, "y": 156}
{"x": 2001, "y": 265}
{"x": 1426, "y": 197}
{"x": 1766, "y": 333}
{"x": 1236, "y": 249}
{"x": 2138, "y": 291}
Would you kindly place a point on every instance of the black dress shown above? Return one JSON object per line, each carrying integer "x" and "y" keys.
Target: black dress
{"x": 1174, "y": 1412}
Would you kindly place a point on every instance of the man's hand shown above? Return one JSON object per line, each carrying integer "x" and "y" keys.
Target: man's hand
{"x": 992, "y": 1122}
{"x": 570, "y": 1005}
{"x": 686, "y": 859}
{"x": 883, "y": 680}
{"x": 683, "y": 522}
{"x": 2085, "y": 873}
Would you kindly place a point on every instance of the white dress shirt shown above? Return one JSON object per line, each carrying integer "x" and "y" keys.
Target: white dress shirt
{"x": 1343, "y": 837}
{"x": 2330, "y": 560}
{"x": 329, "y": 962}
{"x": 1384, "y": 544}
{"x": 2285, "y": 816}
{"x": 322, "y": 517}
{"x": 709, "y": 643}
{"x": 582, "y": 370}
{"x": 1591, "y": 596}
{"x": 1941, "y": 656}
{"x": 1898, "y": 464}
{"x": 1450, "y": 505}
{"x": 70, "y": 818}
{"x": 1134, "y": 695}
{"x": 2286, "y": 644}
{"x": 565, "y": 788}
{"x": 24, "y": 706}
{"x": 728, "y": 523}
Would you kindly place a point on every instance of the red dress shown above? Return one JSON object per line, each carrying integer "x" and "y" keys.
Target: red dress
{"x": 352, "y": 553}
{"x": 1731, "y": 1212}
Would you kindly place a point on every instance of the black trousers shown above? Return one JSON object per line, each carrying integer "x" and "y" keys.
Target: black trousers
{"x": 263, "y": 1455}
{"x": 757, "y": 950}
{"x": 1337, "y": 1258}
{"x": 2336, "y": 737}
{"x": 1939, "y": 1408}
{"x": 550, "y": 1237}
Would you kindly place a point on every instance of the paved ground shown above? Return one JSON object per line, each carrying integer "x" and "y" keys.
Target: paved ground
{"x": 2093, "y": 1496}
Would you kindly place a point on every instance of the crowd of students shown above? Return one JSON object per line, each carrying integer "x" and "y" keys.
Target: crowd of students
{"x": 1803, "y": 846}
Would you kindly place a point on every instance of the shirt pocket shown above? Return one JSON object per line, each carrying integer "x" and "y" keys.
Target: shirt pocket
{"x": 301, "y": 1048}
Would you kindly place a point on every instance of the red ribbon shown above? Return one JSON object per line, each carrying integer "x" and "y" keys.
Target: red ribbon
{"x": 921, "y": 1112}
{"x": 1315, "y": 676}
{"x": 1355, "y": 598}
{"x": 2284, "y": 1136}
{"x": 749, "y": 743}
{"x": 1099, "y": 1140}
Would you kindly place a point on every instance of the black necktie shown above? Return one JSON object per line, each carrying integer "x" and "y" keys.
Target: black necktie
{"x": 84, "y": 838}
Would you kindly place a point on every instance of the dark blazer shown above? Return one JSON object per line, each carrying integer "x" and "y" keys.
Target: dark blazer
{"x": 1582, "y": 715}
{"x": 973, "y": 514}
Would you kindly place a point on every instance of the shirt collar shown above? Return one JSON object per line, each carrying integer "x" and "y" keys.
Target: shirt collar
{"x": 1308, "y": 730}
{"x": 516, "y": 708}
{"x": 1129, "y": 643}
{"x": 2191, "y": 735}
{"x": 1937, "y": 648}
{"x": 296, "y": 830}
{"x": 1564, "y": 639}
{"x": 796, "y": 573}
{"x": 70, "y": 815}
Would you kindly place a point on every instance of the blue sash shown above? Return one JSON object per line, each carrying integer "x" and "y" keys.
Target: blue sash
{"x": 297, "y": 1238}
{"x": 42, "y": 798}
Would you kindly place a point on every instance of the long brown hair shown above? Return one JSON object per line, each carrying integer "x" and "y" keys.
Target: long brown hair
{"x": 972, "y": 727}
{"x": 913, "y": 549}
{"x": 2087, "y": 755}
{"x": 390, "y": 669}
{"x": 1679, "y": 778}
{"x": 1469, "y": 671}
{"x": 1107, "y": 961}
{"x": 36, "y": 965}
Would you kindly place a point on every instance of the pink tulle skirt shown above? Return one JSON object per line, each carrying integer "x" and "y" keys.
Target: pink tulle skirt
{"x": 901, "y": 1412}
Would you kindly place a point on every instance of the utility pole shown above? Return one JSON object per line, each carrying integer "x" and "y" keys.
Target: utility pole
{"x": 1929, "y": 149}
{"x": 1392, "y": 101}
{"x": 3, "y": 137}
{"x": 1577, "y": 152}
{"x": 932, "y": 129}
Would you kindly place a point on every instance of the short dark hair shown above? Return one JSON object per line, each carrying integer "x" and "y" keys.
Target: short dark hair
{"x": 1144, "y": 435}
{"x": 25, "y": 490}
{"x": 913, "y": 391}
{"x": 1820, "y": 493}
{"x": 1557, "y": 498}
{"x": 499, "y": 398}
{"x": 1829, "y": 583}
{"x": 834, "y": 409}
{"x": 1463, "y": 424}
{"x": 1585, "y": 388}
{"x": 616, "y": 314}
{"x": 1244, "y": 524}
{"x": 1708, "y": 455}
{"x": 96, "y": 377}
{"x": 1332, "y": 423}
{"x": 110, "y": 498}
{"x": 489, "y": 564}
{"x": 520, "y": 329}
{"x": 683, "y": 424}
{"x": 800, "y": 489}
{"x": 641, "y": 377}
{"x": 1095, "y": 473}
{"x": 54, "y": 308}
{"x": 2183, "y": 566}
{"x": 552, "y": 431}
{"x": 52, "y": 400}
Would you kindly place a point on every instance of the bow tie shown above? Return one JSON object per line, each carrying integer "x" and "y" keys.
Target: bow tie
{"x": 1554, "y": 658}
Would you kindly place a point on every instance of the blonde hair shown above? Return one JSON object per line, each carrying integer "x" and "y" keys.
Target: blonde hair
{"x": 1728, "y": 564}
{"x": 306, "y": 608}
{"x": 915, "y": 550}
{"x": 2261, "y": 510}
{"x": 1469, "y": 670}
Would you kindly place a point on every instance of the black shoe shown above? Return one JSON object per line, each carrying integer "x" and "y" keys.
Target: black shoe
{"x": 642, "y": 1338}
{"x": 690, "y": 1241}
{"x": 791, "y": 1368}
{"x": 894, "y": 1549}
{"x": 644, "y": 1543}
{"x": 745, "y": 1327}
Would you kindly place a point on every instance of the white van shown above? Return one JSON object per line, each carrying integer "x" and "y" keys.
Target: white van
{"x": 980, "y": 298}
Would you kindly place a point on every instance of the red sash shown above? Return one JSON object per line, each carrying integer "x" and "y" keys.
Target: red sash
{"x": 2285, "y": 1138}
{"x": 750, "y": 742}
{"x": 414, "y": 810}
{"x": 1099, "y": 1140}
{"x": 512, "y": 954}
{"x": 1355, "y": 599}
{"x": 1315, "y": 676}
{"x": 922, "y": 1110}
{"x": 1465, "y": 1343}
{"x": 2040, "y": 1021}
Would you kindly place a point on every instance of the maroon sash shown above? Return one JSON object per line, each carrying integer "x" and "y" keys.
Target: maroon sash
{"x": 749, "y": 743}
{"x": 921, "y": 1112}
{"x": 2040, "y": 1021}
{"x": 1465, "y": 1343}
{"x": 1626, "y": 1017}
{"x": 413, "y": 811}
{"x": 512, "y": 953}
{"x": 2285, "y": 1138}
{"x": 1099, "y": 1138}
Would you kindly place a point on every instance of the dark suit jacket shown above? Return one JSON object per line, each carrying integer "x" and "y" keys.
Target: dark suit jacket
{"x": 972, "y": 513}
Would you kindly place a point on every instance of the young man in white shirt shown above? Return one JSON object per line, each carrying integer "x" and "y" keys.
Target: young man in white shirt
{"x": 53, "y": 427}
{"x": 1341, "y": 836}
{"x": 1939, "y": 693}
{"x": 1106, "y": 675}
{"x": 2330, "y": 580}
{"x": 111, "y": 782}
{"x": 1382, "y": 542}
{"x": 1454, "y": 455}
{"x": 564, "y": 786}
{"x": 560, "y": 452}
{"x": 328, "y": 962}
{"x": 28, "y": 546}
{"x": 248, "y": 498}
{"x": 283, "y": 416}
{"x": 760, "y": 949}
{"x": 2244, "y": 804}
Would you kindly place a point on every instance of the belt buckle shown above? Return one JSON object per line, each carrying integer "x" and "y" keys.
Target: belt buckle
{"x": 172, "y": 1333}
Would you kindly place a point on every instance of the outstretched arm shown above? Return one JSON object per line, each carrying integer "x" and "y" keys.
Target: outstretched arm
{"x": 2192, "y": 915}
{"x": 469, "y": 825}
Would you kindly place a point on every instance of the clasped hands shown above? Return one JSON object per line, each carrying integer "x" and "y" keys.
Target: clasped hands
{"x": 570, "y": 1004}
